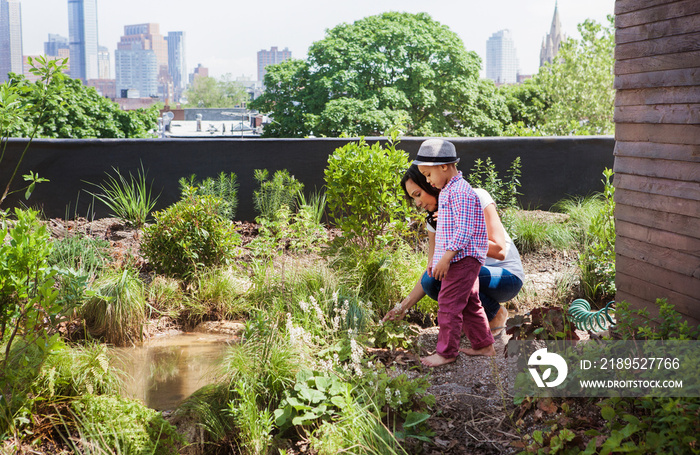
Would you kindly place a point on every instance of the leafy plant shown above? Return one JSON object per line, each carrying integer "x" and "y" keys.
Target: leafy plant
{"x": 224, "y": 187}
{"x": 116, "y": 311}
{"x": 364, "y": 194}
{"x": 597, "y": 260}
{"x": 315, "y": 397}
{"x": 29, "y": 304}
{"x": 108, "y": 423}
{"x": 504, "y": 192}
{"x": 189, "y": 236}
{"x": 394, "y": 335}
{"x": 14, "y": 109}
{"x": 128, "y": 198}
{"x": 273, "y": 194}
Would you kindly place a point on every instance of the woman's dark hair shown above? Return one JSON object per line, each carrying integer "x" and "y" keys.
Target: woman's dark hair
{"x": 419, "y": 179}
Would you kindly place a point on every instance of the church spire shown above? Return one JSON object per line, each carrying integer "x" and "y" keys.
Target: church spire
{"x": 553, "y": 40}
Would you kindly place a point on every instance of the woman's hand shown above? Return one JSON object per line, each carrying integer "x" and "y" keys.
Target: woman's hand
{"x": 395, "y": 314}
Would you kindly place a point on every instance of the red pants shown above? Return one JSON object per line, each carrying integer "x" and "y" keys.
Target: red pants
{"x": 459, "y": 309}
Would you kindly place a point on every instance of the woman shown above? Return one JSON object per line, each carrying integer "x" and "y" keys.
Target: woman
{"x": 500, "y": 278}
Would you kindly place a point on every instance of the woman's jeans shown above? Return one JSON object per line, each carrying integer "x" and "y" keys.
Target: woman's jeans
{"x": 496, "y": 285}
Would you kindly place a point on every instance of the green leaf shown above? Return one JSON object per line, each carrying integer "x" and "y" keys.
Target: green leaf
{"x": 415, "y": 418}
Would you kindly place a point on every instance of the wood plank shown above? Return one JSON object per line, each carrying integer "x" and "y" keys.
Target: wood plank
{"x": 666, "y": 45}
{"x": 650, "y": 185}
{"x": 626, "y": 6}
{"x": 664, "y": 62}
{"x": 657, "y": 13}
{"x": 657, "y": 202}
{"x": 665, "y": 258}
{"x": 645, "y": 234}
{"x": 658, "y": 95}
{"x": 670, "y": 27}
{"x": 683, "y": 284}
{"x": 672, "y": 78}
{"x": 636, "y": 302}
{"x": 627, "y": 284}
{"x": 658, "y": 168}
{"x": 657, "y": 219}
{"x": 658, "y": 133}
{"x": 659, "y": 113}
{"x": 678, "y": 152}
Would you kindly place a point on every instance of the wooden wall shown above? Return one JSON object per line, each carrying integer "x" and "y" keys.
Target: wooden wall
{"x": 657, "y": 153}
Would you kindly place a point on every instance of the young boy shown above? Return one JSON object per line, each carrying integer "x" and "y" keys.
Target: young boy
{"x": 461, "y": 243}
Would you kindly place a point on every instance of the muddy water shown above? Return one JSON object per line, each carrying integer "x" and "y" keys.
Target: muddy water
{"x": 163, "y": 372}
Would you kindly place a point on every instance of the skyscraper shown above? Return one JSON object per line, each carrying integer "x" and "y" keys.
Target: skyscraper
{"x": 82, "y": 36}
{"x": 501, "y": 59}
{"x": 271, "y": 57}
{"x": 177, "y": 65}
{"x": 11, "y": 59}
{"x": 55, "y": 44}
{"x": 552, "y": 42}
{"x": 103, "y": 64}
{"x": 141, "y": 60}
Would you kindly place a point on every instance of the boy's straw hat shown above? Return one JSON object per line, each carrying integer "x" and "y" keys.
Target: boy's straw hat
{"x": 434, "y": 152}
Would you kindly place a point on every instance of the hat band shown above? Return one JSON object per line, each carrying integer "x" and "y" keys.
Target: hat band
{"x": 436, "y": 159}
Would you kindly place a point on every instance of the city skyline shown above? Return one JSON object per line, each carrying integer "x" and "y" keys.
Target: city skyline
{"x": 226, "y": 38}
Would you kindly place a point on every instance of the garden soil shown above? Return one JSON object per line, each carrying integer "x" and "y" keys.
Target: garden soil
{"x": 474, "y": 413}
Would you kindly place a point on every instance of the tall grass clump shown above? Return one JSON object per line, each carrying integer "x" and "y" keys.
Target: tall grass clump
{"x": 224, "y": 187}
{"x": 531, "y": 233}
{"x": 129, "y": 198}
{"x": 165, "y": 296}
{"x": 581, "y": 211}
{"x": 597, "y": 258}
{"x": 116, "y": 312}
{"x": 221, "y": 290}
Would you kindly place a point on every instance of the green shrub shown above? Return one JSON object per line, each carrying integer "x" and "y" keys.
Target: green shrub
{"x": 273, "y": 194}
{"x": 504, "y": 192}
{"x": 364, "y": 191}
{"x": 127, "y": 198}
{"x": 117, "y": 310}
{"x": 188, "y": 236}
{"x": 224, "y": 187}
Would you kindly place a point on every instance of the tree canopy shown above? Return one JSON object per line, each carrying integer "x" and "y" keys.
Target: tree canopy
{"x": 209, "y": 92}
{"x": 393, "y": 68}
{"x": 572, "y": 95}
{"x": 78, "y": 112}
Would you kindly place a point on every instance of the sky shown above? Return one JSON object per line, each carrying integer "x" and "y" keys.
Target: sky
{"x": 225, "y": 35}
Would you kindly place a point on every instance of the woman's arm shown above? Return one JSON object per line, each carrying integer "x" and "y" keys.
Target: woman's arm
{"x": 431, "y": 252}
{"x": 417, "y": 292}
{"x": 400, "y": 310}
{"x": 496, "y": 233}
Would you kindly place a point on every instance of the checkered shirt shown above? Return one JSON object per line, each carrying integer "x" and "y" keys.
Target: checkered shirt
{"x": 460, "y": 225}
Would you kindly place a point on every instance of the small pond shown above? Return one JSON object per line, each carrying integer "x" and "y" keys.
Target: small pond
{"x": 162, "y": 372}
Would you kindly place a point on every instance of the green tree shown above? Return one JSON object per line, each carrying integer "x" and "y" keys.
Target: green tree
{"x": 526, "y": 103}
{"x": 364, "y": 77}
{"x": 211, "y": 93}
{"x": 79, "y": 112}
{"x": 580, "y": 83}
